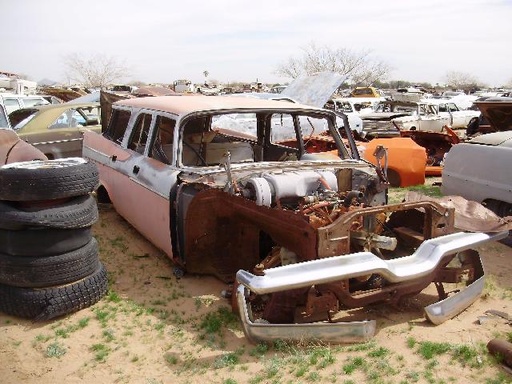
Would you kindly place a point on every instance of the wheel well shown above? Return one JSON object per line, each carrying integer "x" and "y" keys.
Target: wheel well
{"x": 102, "y": 195}
{"x": 500, "y": 208}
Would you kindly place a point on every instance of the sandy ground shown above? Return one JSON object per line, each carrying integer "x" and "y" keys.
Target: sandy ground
{"x": 153, "y": 328}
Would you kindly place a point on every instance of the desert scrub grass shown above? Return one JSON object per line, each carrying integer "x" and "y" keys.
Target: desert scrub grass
{"x": 429, "y": 349}
{"x": 113, "y": 297}
{"x": 119, "y": 242}
{"x": 213, "y": 323}
{"x": 467, "y": 355}
{"x": 171, "y": 358}
{"x": 101, "y": 352}
{"x": 65, "y": 331}
{"x": 353, "y": 363}
{"x": 108, "y": 335}
{"x": 396, "y": 194}
{"x": 55, "y": 349}
{"x": 259, "y": 350}
{"x": 227, "y": 360}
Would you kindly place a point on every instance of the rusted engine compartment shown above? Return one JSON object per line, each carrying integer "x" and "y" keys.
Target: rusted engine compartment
{"x": 226, "y": 232}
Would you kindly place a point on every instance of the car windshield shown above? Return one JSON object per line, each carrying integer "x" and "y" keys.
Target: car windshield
{"x": 282, "y": 125}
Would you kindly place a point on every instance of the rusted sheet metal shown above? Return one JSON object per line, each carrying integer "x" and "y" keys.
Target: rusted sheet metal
{"x": 220, "y": 228}
{"x": 62, "y": 93}
{"x": 469, "y": 215}
{"x": 334, "y": 239}
{"x": 436, "y": 145}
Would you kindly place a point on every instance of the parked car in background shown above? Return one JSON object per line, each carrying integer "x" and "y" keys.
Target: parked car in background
{"x": 478, "y": 170}
{"x": 365, "y": 92}
{"x": 496, "y": 115}
{"x": 57, "y": 130}
{"x": 227, "y": 186}
{"x": 457, "y": 118}
{"x": 13, "y": 149}
{"x": 14, "y": 101}
{"x": 4, "y": 119}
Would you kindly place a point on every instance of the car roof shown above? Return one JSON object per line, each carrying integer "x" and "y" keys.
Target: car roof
{"x": 184, "y": 105}
{"x": 503, "y": 138}
{"x": 46, "y": 114}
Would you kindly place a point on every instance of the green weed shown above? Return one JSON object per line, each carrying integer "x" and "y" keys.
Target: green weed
{"x": 55, "y": 350}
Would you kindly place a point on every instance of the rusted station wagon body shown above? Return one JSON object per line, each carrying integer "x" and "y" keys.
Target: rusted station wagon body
{"x": 226, "y": 186}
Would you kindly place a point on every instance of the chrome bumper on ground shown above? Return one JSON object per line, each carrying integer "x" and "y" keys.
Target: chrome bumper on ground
{"x": 328, "y": 332}
{"x": 422, "y": 262}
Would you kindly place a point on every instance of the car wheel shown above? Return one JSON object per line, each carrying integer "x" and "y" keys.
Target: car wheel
{"x": 47, "y": 303}
{"x": 394, "y": 178}
{"x": 504, "y": 209}
{"x": 43, "y": 241}
{"x": 77, "y": 212}
{"x": 47, "y": 179}
{"x": 38, "y": 272}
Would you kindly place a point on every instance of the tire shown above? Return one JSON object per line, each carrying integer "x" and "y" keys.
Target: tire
{"x": 48, "y": 303}
{"x": 47, "y": 179}
{"x": 39, "y": 272}
{"x": 42, "y": 241}
{"x": 77, "y": 212}
{"x": 394, "y": 178}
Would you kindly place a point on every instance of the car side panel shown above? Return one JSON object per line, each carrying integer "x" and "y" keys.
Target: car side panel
{"x": 138, "y": 187}
{"x": 476, "y": 172}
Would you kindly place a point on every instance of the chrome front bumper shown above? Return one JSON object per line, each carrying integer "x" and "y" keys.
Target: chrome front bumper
{"x": 423, "y": 261}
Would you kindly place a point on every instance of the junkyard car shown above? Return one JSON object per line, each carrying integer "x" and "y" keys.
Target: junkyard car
{"x": 477, "y": 170}
{"x": 458, "y": 118}
{"x": 13, "y": 101}
{"x": 211, "y": 182}
{"x": 496, "y": 115}
{"x": 13, "y": 149}
{"x": 365, "y": 92}
{"x": 57, "y": 129}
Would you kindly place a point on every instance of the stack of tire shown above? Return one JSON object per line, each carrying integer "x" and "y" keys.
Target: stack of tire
{"x": 49, "y": 264}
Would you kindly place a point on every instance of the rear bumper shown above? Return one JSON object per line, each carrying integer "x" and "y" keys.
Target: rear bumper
{"x": 427, "y": 258}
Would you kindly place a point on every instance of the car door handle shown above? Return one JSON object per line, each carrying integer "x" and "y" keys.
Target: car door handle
{"x": 136, "y": 169}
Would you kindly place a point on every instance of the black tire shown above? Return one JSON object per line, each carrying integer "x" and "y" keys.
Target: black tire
{"x": 39, "y": 272}
{"x": 394, "y": 178}
{"x": 47, "y": 179}
{"x": 43, "y": 241}
{"x": 77, "y": 212}
{"x": 48, "y": 303}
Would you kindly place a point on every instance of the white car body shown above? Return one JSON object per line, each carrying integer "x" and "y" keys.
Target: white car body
{"x": 477, "y": 170}
{"x": 459, "y": 118}
{"x": 433, "y": 114}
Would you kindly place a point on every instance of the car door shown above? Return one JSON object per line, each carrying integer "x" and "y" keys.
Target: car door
{"x": 139, "y": 183}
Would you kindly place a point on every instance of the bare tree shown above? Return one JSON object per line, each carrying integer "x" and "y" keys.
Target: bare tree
{"x": 360, "y": 67}
{"x": 461, "y": 80}
{"x": 95, "y": 71}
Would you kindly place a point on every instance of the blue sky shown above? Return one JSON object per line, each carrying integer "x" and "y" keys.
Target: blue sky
{"x": 163, "y": 40}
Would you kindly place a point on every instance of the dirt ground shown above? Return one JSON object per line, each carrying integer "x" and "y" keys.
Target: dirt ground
{"x": 155, "y": 328}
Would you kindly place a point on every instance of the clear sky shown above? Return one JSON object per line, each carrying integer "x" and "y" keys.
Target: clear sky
{"x": 239, "y": 40}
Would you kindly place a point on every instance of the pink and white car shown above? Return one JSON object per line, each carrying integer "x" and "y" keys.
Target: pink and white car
{"x": 226, "y": 186}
